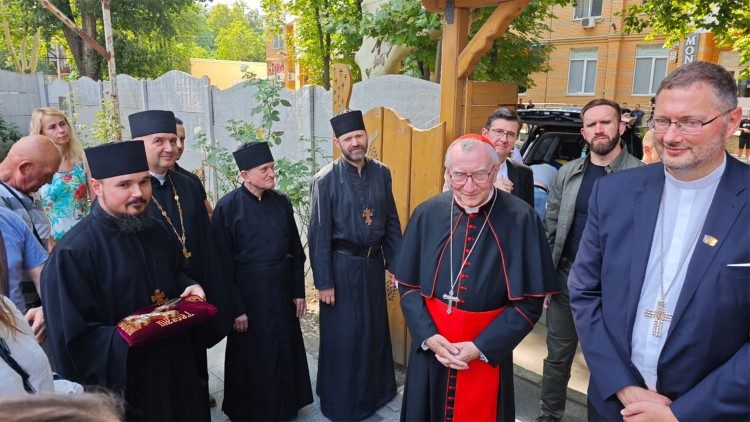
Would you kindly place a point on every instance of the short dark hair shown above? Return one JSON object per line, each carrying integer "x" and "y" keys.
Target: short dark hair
{"x": 178, "y": 121}
{"x": 602, "y": 102}
{"x": 502, "y": 113}
{"x": 723, "y": 83}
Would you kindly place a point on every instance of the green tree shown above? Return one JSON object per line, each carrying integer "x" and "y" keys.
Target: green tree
{"x": 728, "y": 20}
{"x": 239, "y": 41}
{"x": 405, "y": 22}
{"x": 145, "y": 24}
{"x": 325, "y": 31}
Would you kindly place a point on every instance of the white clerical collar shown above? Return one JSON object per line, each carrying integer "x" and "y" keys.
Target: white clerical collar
{"x": 473, "y": 210}
{"x": 160, "y": 177}
{"x": 704, "y": 182}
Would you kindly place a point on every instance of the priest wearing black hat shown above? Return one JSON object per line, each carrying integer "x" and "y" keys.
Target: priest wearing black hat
{"x": 178, "y": 204}
{"x": 266, "y": 375}
{"x": 354, "y": 236}
{"x": 114, "y": 261}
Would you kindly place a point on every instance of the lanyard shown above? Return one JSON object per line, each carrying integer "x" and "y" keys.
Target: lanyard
{"x": 13, "y": 364}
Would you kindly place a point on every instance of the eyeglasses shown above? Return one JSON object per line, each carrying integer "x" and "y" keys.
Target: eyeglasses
{"x": 511, "y": 136}
{"x": 460, "y": 178}
{"x": 686, "y": 127}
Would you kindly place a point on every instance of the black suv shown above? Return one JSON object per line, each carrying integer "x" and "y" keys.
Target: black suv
{"x": 554, "y": 136}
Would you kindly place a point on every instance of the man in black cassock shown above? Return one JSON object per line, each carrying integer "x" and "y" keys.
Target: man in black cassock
{"x": 472, "y": 273}
{"x": 354, "y": 236}
{"x": 266, "y": 375}
{"x": 113, "y": 262}
{"x": 178, "y": 204}
{"x": 181, "y": 143}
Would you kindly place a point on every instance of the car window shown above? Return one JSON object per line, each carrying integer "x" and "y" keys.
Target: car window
{"x": 554, "y": 148}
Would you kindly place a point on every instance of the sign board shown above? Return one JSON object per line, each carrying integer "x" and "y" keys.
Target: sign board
{"x": 690, "y": 49}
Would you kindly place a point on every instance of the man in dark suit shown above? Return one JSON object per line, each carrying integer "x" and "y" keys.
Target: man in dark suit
{"x": 502, "y": 129}
{"x": 662, "y": 305}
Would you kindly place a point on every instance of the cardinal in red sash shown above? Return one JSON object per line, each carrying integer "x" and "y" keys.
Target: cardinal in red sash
{"x": 473, "y": 270}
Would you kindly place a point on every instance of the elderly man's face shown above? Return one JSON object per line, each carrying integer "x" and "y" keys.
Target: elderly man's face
{"x": 477, "y": 164}
{"x": 38, "y": 174}
{"x": 161, "y": 150}
{"x": 124, "y": 196}
{"x": 503, "y": 134}
{"x": 690, "y": 157}
{"x": 260, "y": 178}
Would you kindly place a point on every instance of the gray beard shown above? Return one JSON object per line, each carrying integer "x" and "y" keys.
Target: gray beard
{"x": 133, "y": 223}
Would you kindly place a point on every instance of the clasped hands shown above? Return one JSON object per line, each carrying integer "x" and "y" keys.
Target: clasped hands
{"x": 644, "y": 405}
{"x": 452, "y": 355}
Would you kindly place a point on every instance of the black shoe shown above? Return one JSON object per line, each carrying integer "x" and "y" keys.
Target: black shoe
{"x": 211, "y": 401}
{"x": 547, "y": 418}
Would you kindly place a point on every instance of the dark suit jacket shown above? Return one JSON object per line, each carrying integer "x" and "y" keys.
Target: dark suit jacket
{"x": 704, "y": 367}
{"x": 523, "y": 181}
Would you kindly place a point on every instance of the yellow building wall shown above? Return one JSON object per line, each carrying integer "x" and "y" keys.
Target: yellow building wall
{"x": 225, "y": 73}
{"x": 616, "y": 57}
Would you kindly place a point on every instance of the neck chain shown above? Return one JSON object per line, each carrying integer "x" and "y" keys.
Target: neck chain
{"x": 450, "y": 296}
{"x": 660, "y": 314}
{"x": 181, "y": 235}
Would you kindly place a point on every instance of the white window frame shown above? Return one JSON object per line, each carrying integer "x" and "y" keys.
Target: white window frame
{"x": 587, "y": 61}
{"x": 588, "y": 12}
{"x": 654, "y": 52}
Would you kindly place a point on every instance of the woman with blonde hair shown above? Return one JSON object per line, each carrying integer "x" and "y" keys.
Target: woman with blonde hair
{"x": 66, "y": 197}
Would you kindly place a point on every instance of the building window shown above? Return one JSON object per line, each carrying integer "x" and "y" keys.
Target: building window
{"x": 588, "y": 9}
{"x": 278, "y": 42}
{"x": 650, "y": 68}
{"x": 582, "y": 72}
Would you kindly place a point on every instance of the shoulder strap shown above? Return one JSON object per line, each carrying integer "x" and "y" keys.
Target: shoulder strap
{"x": 13, "y": 364}
{"x": 31, "y": 219}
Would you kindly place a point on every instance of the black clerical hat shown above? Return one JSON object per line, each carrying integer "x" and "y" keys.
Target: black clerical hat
{"x": 347, "y": 122}
{"x": 116, "y": 159}
{"x": 151, "y": 121}
{"x": 253, "y": 155}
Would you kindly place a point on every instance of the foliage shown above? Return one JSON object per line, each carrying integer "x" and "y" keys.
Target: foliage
{"x": 106, "y": 124}
{"x": 325, "y": 31}
{"x": 238, "y": 34}
{"x": 728, "y": 20}
{"x": 8, "y": 135}
{"x": 406, "y": 23}
{"x": 293, "y": 177}
{"x": 239, "y": 41}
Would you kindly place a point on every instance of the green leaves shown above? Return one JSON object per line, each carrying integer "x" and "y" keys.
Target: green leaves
{"x": 728, "y": 20}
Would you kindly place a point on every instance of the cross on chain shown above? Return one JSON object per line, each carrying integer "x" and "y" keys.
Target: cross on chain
{"x": 367, "y": 215}
{"x": 659, "y": 315}
{"x": 158, "y": 297}
{"x": 451, "y": 300}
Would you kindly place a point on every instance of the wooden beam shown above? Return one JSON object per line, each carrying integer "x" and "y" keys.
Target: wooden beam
{"x": 81, "y": 33}
{"x": 453, "y": 87}
{"x": 439, "y": 5}
{"x": 493, "y": 28}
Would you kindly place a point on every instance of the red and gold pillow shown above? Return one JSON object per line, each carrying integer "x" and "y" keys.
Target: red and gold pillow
{"x": 156, "y": 322}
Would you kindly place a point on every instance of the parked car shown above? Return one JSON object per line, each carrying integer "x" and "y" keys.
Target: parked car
{"x": 554, "y": 136}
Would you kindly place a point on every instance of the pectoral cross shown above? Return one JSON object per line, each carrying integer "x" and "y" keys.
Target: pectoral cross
{"x": 659, "y": 315}
{"x": 158, "y": 297}
{"x": 451, "y": 300}
{"x": 187, "y": 253}
{"x": 367, "y": 216}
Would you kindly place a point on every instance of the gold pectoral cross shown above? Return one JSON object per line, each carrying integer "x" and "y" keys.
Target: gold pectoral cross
{"x": 187, "y": 253}
{"x": 659, "y": 315}
{"x": 158, "y": 298}
{"x": 367, "y": 216}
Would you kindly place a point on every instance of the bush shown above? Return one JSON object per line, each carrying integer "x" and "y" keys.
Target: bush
{"x": 8, "y": 135}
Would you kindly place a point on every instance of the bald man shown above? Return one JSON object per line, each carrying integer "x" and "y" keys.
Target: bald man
{"x": 30, "y": 164}
{"x": 650, "y": 155}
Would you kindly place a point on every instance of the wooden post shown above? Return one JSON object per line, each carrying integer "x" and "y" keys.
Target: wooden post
{"x": 112, "y": 69}
{"x": 453, "y": 87}
{"x": 70, "y": 24}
